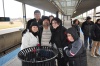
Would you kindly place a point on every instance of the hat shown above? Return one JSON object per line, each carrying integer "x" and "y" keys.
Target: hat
{"x": 45, "y": 17}
{"x": 73, "y": 32}
{"x": 34, "y": 24}
{"x": 87, "y": 18}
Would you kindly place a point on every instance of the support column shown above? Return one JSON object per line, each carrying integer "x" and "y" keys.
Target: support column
{"x": 24, "y": 14}
{"x": 86, "y": 13}
{"x": 63, "y": 20}
{"x": 43, "y": 12}
{"x": 94, "y": 14}
{"x": 82, "y": 17}
{"x": 57, "y": 14}
{"x": 3, "y": 8}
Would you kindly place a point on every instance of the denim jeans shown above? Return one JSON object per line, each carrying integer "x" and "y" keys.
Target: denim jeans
{"x": 86, "y": 42}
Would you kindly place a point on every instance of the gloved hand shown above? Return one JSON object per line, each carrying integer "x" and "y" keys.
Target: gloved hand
{"x": 38, "y": 45}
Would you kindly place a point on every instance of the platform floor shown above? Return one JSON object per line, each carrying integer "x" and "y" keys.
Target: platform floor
{"x": 91, "y": 61}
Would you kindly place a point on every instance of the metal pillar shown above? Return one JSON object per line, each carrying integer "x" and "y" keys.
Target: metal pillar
{"x": 24, "y": 14}
{"x": 94, "y": 14}
{"x": 43, "y": 12}
{"x": 3, "y": 7}
{"x": 83, "y": 19}
{"x": 86, "y": 13}
{"x": 57, "y": 14}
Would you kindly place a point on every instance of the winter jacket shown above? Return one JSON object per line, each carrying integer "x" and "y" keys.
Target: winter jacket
{"x": 77, "y": 28}
{"x": 33, "y": 20}
{"x": 29, "y": 40}
{"x": 96, "y": 32}
{"x": 87, "y": 27}
{"x": 75, "y": 51}
{"x": 58, "y": 36}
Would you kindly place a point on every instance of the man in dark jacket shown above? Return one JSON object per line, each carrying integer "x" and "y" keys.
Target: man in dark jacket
{"x": 45, "y": 32}
{"x": 58, "y": 38}
{"x": 96, "y": 39}
{"x": 37, "y": 18}
{"x": 75, "y": 50}
{"x": 86, "y": 28}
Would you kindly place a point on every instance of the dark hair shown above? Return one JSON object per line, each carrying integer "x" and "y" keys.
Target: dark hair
{"x": 97, "y": 21}
{"x": 45, "y": 17}
{"x": 33, "y": 24}
{"x": 75, "y": 21}
{"x": 88, "y": 17}
{"x": 30, "y": 27}
{"x": 37, "y": 11}
{"x": 51, "y": 16}
{"x": 58, "y": 21}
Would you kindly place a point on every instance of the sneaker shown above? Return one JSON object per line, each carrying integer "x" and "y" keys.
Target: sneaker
{"x": 97, "y": 54}
{"x": 93, "y": 55}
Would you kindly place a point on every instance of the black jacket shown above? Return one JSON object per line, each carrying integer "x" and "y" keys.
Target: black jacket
{"x": 75, "y": 50}
{"x": 96, "y": 32}
{"x": 77, "y": 28}
{"x": 87, "y": 27}
{"x": 33, "y": 20}
{"x": 58, "y": 36}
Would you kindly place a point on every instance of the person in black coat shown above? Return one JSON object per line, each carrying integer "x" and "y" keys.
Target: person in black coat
{"x": 58, "y": 38}
{"x": 37, "y": 18}
{"x": 45, "y": 32}
{"x": 86, "y": 29}
{"x": 75, "y": 49}
{"x": 76, "y": 26}
{"x": 96, "y": 39}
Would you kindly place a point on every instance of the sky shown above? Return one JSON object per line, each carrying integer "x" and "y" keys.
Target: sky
{"x": 13, "y": 9}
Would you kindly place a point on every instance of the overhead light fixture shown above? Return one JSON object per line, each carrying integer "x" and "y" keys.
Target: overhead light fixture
{"x": 74, "y": 11}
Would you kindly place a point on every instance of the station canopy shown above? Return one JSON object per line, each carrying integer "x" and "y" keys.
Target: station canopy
{"x": 66, "y": 7}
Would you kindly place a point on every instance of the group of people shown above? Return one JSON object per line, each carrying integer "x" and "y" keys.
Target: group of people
{"x": 48, "y": 31}
{"x": 91, "y": 32}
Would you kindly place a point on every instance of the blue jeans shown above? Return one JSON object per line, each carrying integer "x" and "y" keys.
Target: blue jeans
{"x": 86, "y": 42}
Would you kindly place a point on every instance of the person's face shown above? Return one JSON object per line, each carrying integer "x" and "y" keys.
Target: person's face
{"x": 69, "y": 37}
{"x": 89, "y": 20}
{"x": 99, "y": 22}
{"x": 34, "y": 29}
{"x": 55, "y": 24}
{"x": 76, "y": 22}
{"x": 46, "y": 22}
{"x": 37, "y": 15}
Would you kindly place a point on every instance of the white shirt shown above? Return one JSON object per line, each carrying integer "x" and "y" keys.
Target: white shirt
{"x": 29, "y": 40}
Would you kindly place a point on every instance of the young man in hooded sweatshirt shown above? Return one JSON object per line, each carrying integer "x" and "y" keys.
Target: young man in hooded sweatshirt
{"x": 75, "y": 50}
